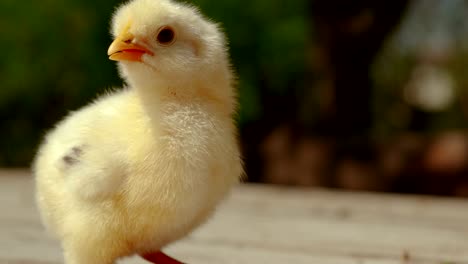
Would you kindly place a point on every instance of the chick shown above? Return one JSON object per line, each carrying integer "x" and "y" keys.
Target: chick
{"x": 143, "y": 166}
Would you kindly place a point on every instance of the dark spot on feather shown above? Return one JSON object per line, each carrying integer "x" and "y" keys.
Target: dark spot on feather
{"x": 73, "y": 156}
{"x": 69, "y": 160}
{"x": 77, "y": 151}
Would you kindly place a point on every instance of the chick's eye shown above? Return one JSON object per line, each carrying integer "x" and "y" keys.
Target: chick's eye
{"x": 166, "y": 36}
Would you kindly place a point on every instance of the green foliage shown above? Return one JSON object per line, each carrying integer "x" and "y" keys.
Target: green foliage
{"x": 393, "y": 115}
{"x": 268, "y": 41}
{"x": 53, "y": 60}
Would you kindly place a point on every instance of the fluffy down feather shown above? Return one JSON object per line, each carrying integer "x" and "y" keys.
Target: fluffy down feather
{"x": 142, "y": 166}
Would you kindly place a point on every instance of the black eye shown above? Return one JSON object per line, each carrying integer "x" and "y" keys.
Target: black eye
{"x": 166, "y": 36}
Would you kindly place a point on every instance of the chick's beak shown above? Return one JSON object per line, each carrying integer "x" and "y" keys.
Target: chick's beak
{"x": 126, "y": 50}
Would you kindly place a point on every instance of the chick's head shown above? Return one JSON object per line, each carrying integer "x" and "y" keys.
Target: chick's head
{"x": 165, "y": 43}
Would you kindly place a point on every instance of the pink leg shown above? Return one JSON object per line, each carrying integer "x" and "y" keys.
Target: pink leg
{"x": 160, "y": 258}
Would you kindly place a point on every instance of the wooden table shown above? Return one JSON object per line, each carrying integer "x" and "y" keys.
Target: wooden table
{"x": 263, "y": 224}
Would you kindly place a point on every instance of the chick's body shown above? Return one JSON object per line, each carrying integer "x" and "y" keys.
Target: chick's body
{"x": 143, "y": 166}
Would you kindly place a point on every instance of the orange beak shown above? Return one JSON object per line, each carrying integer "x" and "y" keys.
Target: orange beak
{"x": 126, "y": 50}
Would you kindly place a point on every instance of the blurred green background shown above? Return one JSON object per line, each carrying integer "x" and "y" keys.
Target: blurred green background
{"x": 357, "y": 95}
{"x": 55, "y": 59}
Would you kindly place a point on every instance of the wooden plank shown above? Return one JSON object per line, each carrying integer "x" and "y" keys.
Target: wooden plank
{"x": 266, "y": 224}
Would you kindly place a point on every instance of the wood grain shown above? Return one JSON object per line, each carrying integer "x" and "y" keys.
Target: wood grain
{"x": 266, "y": 224}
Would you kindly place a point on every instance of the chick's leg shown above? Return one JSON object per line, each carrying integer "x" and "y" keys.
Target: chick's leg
{"x": 160, "y": 258}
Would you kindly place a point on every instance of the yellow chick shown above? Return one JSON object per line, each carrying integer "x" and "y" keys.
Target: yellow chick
{"x": 143, "y": 166}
